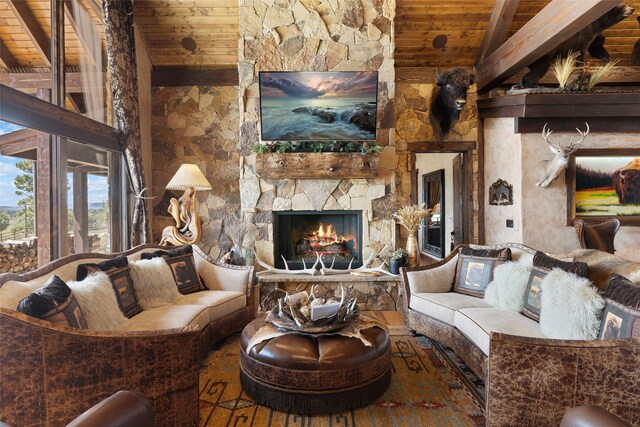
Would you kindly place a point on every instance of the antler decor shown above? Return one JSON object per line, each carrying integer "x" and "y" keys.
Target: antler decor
{"x": 562, "y": 154}
{"x": 324, "y": 270}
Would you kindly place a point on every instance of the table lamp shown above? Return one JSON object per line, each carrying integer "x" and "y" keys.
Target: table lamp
{"x": 188, "y": 228}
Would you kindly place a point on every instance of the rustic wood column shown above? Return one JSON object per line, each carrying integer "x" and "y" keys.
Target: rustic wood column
{"x": 121, "y": 60}
{"x": 80, "y": 213}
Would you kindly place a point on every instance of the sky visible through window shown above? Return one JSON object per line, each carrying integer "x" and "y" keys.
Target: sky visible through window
{"x": 98, "y": 187}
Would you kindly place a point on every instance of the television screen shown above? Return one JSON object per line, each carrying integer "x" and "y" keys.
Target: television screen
{"x": 318, "y": 106}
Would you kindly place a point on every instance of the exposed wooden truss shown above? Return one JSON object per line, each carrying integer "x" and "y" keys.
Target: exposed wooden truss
{"x": 30, "y": 24}
{"x": 545, "y": 31}
{"x": 498, "y": 27}
{"x": 7, "y": 60}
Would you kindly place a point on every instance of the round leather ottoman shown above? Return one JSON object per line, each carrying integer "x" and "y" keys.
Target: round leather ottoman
{"x": 307, "y": 374}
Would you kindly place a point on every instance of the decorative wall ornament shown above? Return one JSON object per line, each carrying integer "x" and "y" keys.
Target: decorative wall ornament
{"x": 501, "y": 193}
{"x": 561, "y": 155}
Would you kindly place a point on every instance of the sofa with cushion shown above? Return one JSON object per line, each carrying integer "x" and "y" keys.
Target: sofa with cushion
{"x": 87, "y": 325}
{"x": 533, "y": 364}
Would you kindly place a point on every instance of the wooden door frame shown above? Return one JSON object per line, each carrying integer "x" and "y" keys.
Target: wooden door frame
{"x": 467, "y": 148}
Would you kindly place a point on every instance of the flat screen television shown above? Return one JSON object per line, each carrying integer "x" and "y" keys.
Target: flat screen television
{"x": 318, "y": 106}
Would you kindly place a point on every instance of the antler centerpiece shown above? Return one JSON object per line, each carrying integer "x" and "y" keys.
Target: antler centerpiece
{"x": 304, "y": 312}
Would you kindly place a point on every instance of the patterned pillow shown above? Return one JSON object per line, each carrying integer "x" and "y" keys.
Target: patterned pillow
{"x": 621, "y": 317}
{"x": 118, "y": 271}
{"x": 182, "y": 266}
{"x": 54, "y": 302}
{"x": 475, "y": 269}
{"x": 542, "y": 265}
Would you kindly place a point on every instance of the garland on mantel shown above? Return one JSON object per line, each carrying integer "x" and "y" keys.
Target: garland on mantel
{"x": 282, "y": 147}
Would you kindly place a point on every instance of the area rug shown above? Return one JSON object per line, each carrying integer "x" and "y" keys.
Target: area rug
{"x": 426, "y": 389}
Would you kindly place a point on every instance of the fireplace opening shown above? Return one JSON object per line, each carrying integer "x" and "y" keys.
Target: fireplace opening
{"x": 333, "y": 234}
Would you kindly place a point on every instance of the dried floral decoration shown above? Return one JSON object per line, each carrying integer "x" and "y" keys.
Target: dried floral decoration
{"x": 410, "y": 216}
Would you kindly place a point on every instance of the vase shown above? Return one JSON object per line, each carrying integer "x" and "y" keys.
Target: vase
{"x": 412, "y": 249}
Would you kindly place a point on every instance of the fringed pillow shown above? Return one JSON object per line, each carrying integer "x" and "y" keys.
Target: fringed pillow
{"x": 508, "y": 287}
{"x": 99, "y": 304}
{"x": 570, "y": 307}
{"x": 154, "y": 283}
{"x": 55, "y": 303}
{"x": 542, "y": 265}
{"x": 182, "y": 266}
{"x": 118, "y": 271}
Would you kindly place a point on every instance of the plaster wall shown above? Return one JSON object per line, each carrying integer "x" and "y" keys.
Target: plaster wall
{"x": 426, "y": 163}
{"x": 545, "y": 209}
{"x": 540, "y": 214}
{"x": 503, "y": 160}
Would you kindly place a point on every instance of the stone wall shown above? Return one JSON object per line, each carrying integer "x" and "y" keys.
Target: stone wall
{"x": 198, "y": 125}
{"x": 18, "y": 258}
{"x": 413, "y": 103}
{"x": 314, "y": 35}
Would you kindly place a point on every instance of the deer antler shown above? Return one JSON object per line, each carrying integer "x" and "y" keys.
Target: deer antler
{"x": 272, "y": 270}
{"x": 546, "y": 133}
{"x": 582, "y": 136}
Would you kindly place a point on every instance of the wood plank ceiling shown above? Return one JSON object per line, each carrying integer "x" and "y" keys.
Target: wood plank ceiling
{"x": 423, "y": 26}
{"x": 192, "y": 33}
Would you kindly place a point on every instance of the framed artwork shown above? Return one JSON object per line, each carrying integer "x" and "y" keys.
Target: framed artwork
{"x": 603, "y": 184}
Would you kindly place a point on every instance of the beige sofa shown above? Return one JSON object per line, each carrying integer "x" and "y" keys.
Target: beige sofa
{"x": 529, "y": 378}
{"x": 50, "y": 372}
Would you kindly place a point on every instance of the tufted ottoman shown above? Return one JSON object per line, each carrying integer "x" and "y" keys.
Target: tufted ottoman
{"x": 308, "y": 374}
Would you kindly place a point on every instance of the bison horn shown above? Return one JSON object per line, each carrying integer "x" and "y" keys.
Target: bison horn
{"x": 437, "y": 75}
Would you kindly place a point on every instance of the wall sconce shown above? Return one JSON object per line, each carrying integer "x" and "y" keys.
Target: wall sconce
{"x": 188, "y": 228}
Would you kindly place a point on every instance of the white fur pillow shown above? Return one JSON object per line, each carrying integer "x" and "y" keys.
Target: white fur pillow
{"x": 153, "y": 282}
{"x": 98, "y": 302}
{"x": 570, "y": 307}
{"x": 508, "y": 286}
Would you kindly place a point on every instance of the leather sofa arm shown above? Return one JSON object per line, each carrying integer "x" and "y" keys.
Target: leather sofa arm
{"x": 535, "y": 380}
{"x": 437, "y": 277}
{"x": 123, "y": 409}
{"x": 52, "y": 373}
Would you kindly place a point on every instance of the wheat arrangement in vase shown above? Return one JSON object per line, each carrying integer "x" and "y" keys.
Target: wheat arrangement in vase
{"x": 410, "y": 216}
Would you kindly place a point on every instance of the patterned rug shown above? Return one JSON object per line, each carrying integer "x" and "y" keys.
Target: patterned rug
{"x": 427, "y": 389}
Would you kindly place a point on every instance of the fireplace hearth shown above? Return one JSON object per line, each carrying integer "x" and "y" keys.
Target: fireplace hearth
{"x": 335, "y": 235}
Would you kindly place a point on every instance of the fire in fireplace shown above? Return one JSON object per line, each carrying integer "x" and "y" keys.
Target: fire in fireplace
{"x": 335, "y": 235}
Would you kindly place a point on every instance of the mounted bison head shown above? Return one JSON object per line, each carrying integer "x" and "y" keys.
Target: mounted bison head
{"x": 451, "y": 97}
{"x": 626, "y": 182}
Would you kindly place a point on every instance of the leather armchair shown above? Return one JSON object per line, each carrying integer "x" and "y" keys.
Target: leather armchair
{"x": 591, "y": 416}
{"x": 122, "y": 409}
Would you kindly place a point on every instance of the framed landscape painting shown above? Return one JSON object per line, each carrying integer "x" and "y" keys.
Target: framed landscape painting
{"x": 604, "y": 184}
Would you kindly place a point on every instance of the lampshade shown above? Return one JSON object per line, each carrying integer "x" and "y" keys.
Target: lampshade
{"x": 188, "y": 175}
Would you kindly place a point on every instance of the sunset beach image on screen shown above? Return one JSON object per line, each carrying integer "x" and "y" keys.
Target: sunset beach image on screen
{"x": 318, "y": 106}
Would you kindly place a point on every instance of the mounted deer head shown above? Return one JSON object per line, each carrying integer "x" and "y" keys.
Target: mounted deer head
{"x": 561, "y": 158}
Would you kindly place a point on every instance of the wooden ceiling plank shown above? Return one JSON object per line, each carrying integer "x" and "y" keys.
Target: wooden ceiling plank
{"x": 548, "y": 29}
{"x": 7, "y": 60}
{"x": 68, "y": 12}
{"x": 29, "y": 23}
{"x": 499, "y": 25}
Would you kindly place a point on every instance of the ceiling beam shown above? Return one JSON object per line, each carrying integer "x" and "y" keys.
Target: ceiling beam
{"x": 77, "y": 101}
{"x": 498, "y": 27}
{"x": 30, "y": 82}
{"x": 29, "y": 23}
{"x": 194, "y": 77}
{"x": 553, "y": 25}
{"x": 7, "y": 60}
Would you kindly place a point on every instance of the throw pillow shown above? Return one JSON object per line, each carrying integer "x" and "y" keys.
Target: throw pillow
{"x": 56, "y": 303}
{"x": 475, "y": 267}
{"x": 99, "y": 304}
{"x": 621, "y": 318}
{"x": 542, "y": 265}
{"x": 508, "y": 286}
{"x": 571, "y": 307}
{"x": 153, "y": 281}
{"x": 182, "y": 266}
{"x": 118, "y": 271}
{"x": 624, "y": 291}
{"x": 619, "y": 321}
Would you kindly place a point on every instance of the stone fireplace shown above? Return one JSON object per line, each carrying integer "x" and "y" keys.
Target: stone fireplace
{"x": 334, "y": 235}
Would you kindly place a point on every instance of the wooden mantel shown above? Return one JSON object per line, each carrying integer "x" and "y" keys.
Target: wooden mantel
{"x": 317, "y": 165}
{"x": 617, "y": 111}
